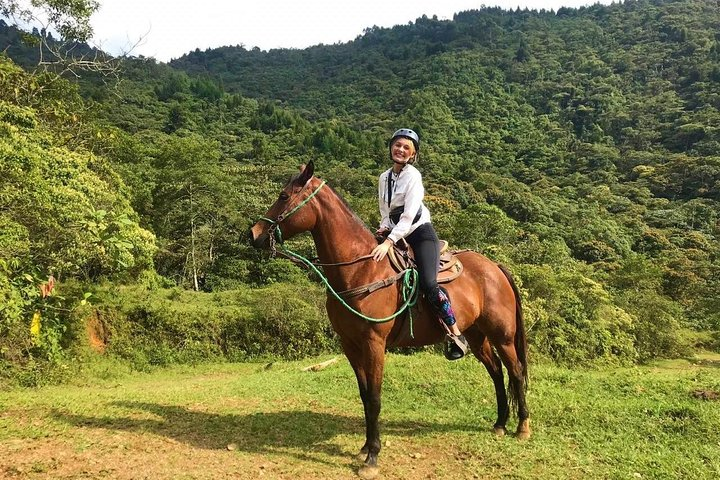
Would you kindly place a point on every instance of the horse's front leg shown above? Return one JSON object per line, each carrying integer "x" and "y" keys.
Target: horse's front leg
{"x": 357, "y": 358}
{"x": 363, "y": 388}
{"x": 370, "y": 373}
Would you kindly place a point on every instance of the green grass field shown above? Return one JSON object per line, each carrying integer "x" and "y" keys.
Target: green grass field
{"x": 277, "y": 421}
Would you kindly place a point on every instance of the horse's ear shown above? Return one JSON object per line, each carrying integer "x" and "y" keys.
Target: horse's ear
{"x": 306, "y": 172}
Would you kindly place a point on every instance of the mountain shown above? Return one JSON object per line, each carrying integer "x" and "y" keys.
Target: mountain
{"x": 578, "y": 147}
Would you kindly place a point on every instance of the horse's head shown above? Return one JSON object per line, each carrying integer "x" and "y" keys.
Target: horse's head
{"x": 291, "y": 213}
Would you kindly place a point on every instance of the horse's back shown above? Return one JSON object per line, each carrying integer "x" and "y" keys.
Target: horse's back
{"x": 484, "y": 296}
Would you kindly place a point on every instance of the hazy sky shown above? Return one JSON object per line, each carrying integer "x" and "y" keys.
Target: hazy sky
{"x": 167, "y": 29}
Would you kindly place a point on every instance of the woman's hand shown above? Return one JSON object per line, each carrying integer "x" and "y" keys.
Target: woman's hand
{"x": 381, "y": 250}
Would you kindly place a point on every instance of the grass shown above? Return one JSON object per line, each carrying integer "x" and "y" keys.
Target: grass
{"x": 281, "y": 422}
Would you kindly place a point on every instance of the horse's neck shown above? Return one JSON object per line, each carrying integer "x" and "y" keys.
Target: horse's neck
{"x": 341, "y": 237}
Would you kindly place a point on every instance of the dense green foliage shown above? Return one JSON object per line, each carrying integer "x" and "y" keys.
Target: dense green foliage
{"x": 64, "y": 215}
{"x": 164, "y": 326}
{"x": 579, "y": 147}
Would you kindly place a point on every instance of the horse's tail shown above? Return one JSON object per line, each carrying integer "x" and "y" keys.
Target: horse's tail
{"x": 521, "y": 346}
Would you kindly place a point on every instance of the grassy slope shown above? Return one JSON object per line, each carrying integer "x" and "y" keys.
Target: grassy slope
{"x": 616, "y": 423}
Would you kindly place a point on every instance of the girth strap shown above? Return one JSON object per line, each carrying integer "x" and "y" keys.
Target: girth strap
{"x": 371, "y": 287}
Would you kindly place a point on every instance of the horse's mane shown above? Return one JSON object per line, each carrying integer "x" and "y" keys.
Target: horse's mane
{"x": 354, "y": 215}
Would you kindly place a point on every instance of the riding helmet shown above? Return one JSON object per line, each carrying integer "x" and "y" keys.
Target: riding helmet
{"x": 409, "y": 134}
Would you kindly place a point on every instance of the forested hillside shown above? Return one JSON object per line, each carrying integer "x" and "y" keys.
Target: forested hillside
{"x": 579, "y": 147}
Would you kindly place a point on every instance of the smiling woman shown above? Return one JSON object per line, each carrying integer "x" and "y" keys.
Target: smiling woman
{"x": 406, "y": 218}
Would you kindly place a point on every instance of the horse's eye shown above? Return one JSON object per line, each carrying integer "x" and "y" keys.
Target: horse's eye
{"x": 284, "y": 196}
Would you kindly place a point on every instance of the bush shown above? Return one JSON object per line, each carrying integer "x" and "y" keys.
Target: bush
{"x": 658, "y": 328}
{"x": 39, "y": 335}
{"x": 164, "y": 326}
{"x": 572, "y": 319}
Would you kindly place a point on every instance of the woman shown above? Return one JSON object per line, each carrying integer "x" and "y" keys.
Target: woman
{"x": 403, "y": 215}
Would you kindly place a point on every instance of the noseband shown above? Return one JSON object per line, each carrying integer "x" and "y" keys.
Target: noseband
{"x": 274, "y": 233}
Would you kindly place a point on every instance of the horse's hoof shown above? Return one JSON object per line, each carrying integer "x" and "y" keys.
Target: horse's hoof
{"x": 368, "y": 472}
{"x": 523, "y": 431}
{"x": 500, "y": 431}
{"x": 362, "y": 455}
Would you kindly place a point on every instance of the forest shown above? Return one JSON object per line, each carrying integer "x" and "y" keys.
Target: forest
{"x": 578, "y": 147}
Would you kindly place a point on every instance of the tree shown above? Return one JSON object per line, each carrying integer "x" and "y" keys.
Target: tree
{"x": 71, "y": 20}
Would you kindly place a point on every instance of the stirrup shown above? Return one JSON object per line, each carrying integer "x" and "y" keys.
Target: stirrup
{"x": 456, "y": 346}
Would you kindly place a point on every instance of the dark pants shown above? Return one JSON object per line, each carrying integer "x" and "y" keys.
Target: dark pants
{"x": 425, "y": 244}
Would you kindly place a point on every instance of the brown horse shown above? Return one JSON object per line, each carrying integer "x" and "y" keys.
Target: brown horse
{"x": 485, "y": 300}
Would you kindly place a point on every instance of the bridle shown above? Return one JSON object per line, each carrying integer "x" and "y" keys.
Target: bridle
{"x": 274, "y": 233}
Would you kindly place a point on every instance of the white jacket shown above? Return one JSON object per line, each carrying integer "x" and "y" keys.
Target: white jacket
{"x": 407, "y": 192}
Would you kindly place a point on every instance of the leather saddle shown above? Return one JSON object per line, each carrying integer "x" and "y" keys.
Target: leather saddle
{"x": 402, "y": 257}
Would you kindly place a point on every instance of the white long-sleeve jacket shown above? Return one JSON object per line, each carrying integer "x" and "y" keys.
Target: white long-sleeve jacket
{"x": 408, "y": 192}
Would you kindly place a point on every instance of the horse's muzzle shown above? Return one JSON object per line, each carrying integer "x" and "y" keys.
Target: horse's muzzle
{"x": 258, "y": 238}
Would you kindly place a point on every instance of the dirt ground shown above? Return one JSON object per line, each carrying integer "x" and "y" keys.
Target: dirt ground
{"x": 126, "y": 455}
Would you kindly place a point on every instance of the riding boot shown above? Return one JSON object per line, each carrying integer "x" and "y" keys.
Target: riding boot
{"x": 456, "y": 346}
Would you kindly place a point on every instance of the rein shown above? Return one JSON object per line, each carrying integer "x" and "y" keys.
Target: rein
{"x": 409, "y": 289}
{"x": 340, "y": 264}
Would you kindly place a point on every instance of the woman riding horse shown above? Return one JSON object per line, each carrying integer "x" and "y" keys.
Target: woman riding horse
{"x": 486, "y": 302}
{"x": 404, "y": 216}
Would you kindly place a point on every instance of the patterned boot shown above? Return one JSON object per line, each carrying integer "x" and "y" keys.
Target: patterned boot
{"x": 455, "y": 346}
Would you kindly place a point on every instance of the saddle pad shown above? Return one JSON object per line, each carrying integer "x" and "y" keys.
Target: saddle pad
{"x": 450, "y": 265}
{"x": 451, "y": 270}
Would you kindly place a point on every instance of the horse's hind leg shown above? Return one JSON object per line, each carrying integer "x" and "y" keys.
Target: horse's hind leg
{"x": 516, "y": 372}
{"x": 483, "y": 351}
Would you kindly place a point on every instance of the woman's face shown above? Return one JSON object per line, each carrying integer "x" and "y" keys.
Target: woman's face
{"x": 402, "y": 150}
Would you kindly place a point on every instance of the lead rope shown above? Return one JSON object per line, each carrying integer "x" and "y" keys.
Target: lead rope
{"x": 409, "y": 291}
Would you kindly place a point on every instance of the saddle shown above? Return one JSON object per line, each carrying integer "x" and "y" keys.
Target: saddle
{"x": 402, "y": 257}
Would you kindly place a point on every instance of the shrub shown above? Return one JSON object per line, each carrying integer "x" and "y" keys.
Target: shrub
{"x": 571, "y": 318}
{"x": 163, "y": 326}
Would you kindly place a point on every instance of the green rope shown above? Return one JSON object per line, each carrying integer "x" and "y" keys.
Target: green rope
{"x": 277, "y": 234}
{"x": 299, "y": 205}
{"x": 409, "y": 291}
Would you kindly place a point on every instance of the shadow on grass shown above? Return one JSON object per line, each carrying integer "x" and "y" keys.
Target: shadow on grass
{"x": 707, "y": 362}
{"x": 253, "y": 433}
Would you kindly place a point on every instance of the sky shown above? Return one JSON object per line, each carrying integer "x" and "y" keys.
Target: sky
{"x": 167, "y": 29}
